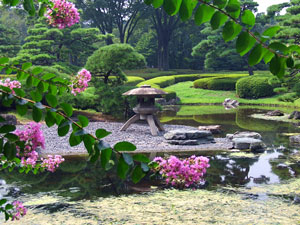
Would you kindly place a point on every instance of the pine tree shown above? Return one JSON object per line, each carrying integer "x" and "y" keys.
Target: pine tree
{"x": 9, "y": 43}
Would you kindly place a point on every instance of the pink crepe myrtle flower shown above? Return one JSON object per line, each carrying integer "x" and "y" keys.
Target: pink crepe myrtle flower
{"x": 10, "y": 84}
{"x": 62, "y": 14}
{"x": 182, "y": 173}
{"x": 33, "y": 138}
{"x": 80, "y": 82}
{"x": 19, "y": 209}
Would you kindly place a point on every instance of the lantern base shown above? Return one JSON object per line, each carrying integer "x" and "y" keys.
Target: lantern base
{"x": 152, "y": 121}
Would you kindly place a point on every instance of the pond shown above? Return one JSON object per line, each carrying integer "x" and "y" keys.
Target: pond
{"x": 78, "y": 180}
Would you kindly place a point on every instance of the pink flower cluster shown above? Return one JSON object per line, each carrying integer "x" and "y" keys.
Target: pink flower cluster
{"x": 34, "y": 138}
{"x": 52, "y": 162}
{"x": 20, "y": 210}
{"x": 182, "y": 173}
{"x": 80, "y": 82}
{"x": 63, "y": 14}
{"x": 10, "y": 84}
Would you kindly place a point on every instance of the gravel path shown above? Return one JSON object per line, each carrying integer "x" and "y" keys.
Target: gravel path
{"x": 138, "y": 134}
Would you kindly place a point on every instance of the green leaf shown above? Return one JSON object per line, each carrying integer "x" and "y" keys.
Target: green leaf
{"x": 268, "y": 56}
{"x": 50, "y": 118}
{"x": 63, "y": 128}
{"x": 74, "y": 140}
{"x": 42, "y": 10}
{"x": 256, "y": 55}
{"x": 37, "y": 70}
{"x": 105, "y": 157}
{"x": 128, "y": 159}
{"x": 275, "y": 65}
{"x": 124, "y": 146}
{"x": 220, "y": 3}
{"x": 101, "y": 133}
{"x": 36, "y": 114}
{"x": 217, "y": 20}
{"x": 52, "y": 89}
{"x": 9, "y": 150}
{"x": 7, "y": 128}
{"x": 29, "y": 81}
{"x": 8, "y": 71}
{"x": 233, "y": 8}
{"x": 171, "y": 6}
{"x": 88, "y": 143}
{"x": 95, "y": 156}
{"x": 244, "y": 43}
{"x": 2, "y": 119}
{"x": 3, "y": 201}
{"x": 41, "y": 87}
{"x": 271, "y": 31}
{"x": 19, "y": 92}
{"x": 231, "y": 30}
{"x": 203, "y": 14}
{"x": 290, "y": 62}
{"x": 148, "y": 2}
{"x": 186, "y": 9}
{"x": 29, "y": 7}
{"x": 141, "y": 158}
{"x": 4, "y": 60}
{"x": 36, "y": 96}
{"x": 248, "y": 18}
{"x": 122, "y": 168}
{"x": 48, "y": 76}
{"x": 21, "y": 109}
{"x": 157, "y": 3}
{"x": 9, "y": 207}
{"x": 1, "y": 144}
{"x": 26, "y": 65}
{"x": 51, "y": 99}
{"x": 294, "y": 48}
{"x": 278, "y": 46}
{"x": 84, "y": 121}
{"x": 11, "y": 137}
{"x": 67, "y": 108}
{"x": 137, "y": 174}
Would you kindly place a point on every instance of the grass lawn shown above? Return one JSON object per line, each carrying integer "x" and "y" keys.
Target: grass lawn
{"x": 190, "y": 95}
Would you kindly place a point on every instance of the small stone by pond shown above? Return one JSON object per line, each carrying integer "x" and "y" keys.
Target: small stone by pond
{"x": 275, "y": 113}
{"x": 247, "y": 140}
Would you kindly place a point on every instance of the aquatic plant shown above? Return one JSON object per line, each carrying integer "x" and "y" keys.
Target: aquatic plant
{"x": 182, "y": 173}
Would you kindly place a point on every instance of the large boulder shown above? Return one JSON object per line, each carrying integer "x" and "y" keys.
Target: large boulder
{"x": 243, "y": 134}
{"x": 253, "y": 144}
{"x": 275, "y": 113}
{"x": 9, "y": 119}
{"x": 214, "y": 129}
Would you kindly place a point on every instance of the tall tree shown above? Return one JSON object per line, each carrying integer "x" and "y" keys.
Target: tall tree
{"x": 107, "y": 15}
{"x": 164, "y": 26}
{"x": 9, "y": 42}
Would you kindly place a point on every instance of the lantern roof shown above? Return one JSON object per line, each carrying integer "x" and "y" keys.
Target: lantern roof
{"x": 145, "y": 90}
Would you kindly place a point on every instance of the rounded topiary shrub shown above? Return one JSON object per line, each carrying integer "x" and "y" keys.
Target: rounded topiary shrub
{"x": 225, "y": 84}
{"x": 203, "y": 82}
{"x": 254, "y": 87}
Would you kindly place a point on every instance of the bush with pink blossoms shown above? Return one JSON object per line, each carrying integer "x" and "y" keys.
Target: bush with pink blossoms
{"x": 80, "y": 82}
{"x": 19, "y": 209}
{"x": 182, "y": 173}
{"x": 33, "y": 138}
{"x": 62, "y": 14}
{"x": 10, "y": 84}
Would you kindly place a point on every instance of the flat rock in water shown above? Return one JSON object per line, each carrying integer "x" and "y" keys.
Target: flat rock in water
{"x": 214, "y": 129}
{"x": 244, "y": 134}
{"x": 275, "y": 113}
{"x": 295, "y": 139}
{"x": 248, "y": 143}
{"x": 183, "y": 134}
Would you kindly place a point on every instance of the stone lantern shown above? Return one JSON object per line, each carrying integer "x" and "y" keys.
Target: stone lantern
{"x": 146, "y": 109}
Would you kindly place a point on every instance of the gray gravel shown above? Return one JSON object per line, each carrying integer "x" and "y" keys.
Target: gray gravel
{"x": 138, "y": 134}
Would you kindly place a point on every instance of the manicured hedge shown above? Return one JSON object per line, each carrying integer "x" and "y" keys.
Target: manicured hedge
{"x": 183, "y": 78}
{"x": 132, "y": 80}
{"x": 254, "y": 87}
{"x": 162, "y": 82}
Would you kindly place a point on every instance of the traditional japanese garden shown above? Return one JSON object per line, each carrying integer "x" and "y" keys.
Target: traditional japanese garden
{"x": 149, "y": 112}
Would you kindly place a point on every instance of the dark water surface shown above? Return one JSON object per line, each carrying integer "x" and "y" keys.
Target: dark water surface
{"x": 78, "y": 179}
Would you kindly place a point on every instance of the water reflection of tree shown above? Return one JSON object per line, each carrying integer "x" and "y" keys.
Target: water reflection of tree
{"x": 84, "y": 179}
{"x": 229, "y": 171}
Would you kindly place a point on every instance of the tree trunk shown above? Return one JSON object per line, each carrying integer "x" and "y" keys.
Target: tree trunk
{"x": 250, "y": 70}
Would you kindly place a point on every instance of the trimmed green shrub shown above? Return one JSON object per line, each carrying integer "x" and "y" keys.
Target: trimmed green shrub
{"x": 225, "y": 84}
{"x": 202, "y": 83}
{"x": 274, "y": 82}
{"x": 254, "y": 87}
{"x": 132, "y": 80}
{"x": 280, "y": 90}
{"x": 162, "y": 82}
{"x": 183, "y": 78}
{"x": 296, "y": 89}
{"x": 288, "y": 97}
{"x": 170, "y": 95}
